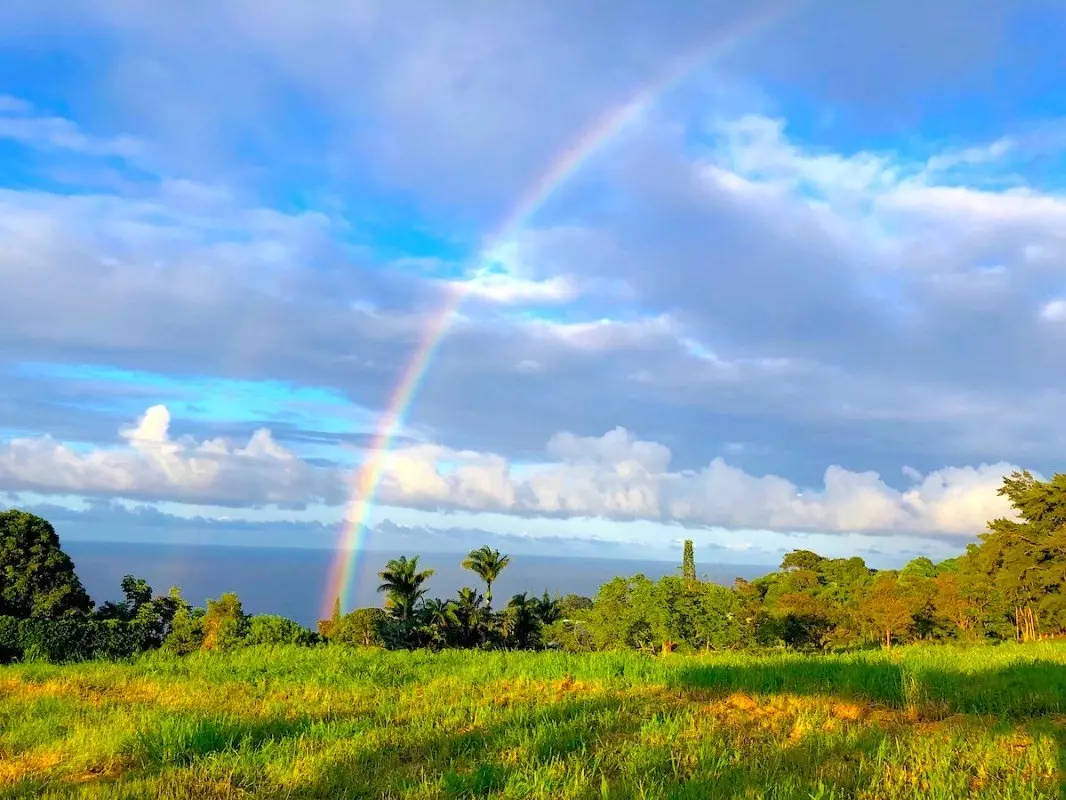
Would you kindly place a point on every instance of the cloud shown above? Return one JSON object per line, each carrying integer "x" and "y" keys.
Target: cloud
{"x": 19, "y": 123}
{"x": 190, "y": 281}
{"x": 614, "y": 476}
{"x": 619, "y": 476}
{"x": 1054, "y": 310}
{"x": 154, "y": 466}
{"x": 510, "y": 290}
{"x": 723, "y": 273}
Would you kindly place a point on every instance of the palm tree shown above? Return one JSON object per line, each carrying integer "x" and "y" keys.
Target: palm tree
{"x": 440, "y": 618}
{"x": 547, "y": 608}
{"x": 470, "y": 610}
{"x": 440, "y": 613}
{"x": 520, "y": 622}
{"x": 402, "y": 584}
{"x": 487, "y": 564}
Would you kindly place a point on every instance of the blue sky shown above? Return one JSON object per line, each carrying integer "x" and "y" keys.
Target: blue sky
{"x": 810, "y": 297}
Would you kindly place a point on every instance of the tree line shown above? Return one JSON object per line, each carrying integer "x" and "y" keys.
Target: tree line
{"x": 1008, "y": 585}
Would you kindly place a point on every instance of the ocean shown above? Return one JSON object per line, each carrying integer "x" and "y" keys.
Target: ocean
{"x": 292, "y": 581}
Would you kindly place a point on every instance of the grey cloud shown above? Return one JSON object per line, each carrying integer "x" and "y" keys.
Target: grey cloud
{"x": 422, "y": 70}
{"x": 810, "y": 355}
{"x": 171, "y": 304}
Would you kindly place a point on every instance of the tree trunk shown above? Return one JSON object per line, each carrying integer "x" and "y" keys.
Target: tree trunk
{"x": 888, "y": 638}
{"x": 1032, "y": 624}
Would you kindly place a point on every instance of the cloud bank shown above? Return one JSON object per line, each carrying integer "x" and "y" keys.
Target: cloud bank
{"x": 154, "y": 466}
{"x": 614, "y": 476}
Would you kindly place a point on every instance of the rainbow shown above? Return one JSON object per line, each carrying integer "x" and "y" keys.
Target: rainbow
{"x": 368, "y": 477}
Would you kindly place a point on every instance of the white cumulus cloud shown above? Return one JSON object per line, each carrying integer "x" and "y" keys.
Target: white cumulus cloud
{"x": 155, "y": 466}
{"x": 619, "y": 476}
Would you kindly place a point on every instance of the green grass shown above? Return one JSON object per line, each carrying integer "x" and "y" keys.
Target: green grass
{"x": 922, "y": 722}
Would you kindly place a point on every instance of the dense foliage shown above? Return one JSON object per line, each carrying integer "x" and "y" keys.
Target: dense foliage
{"x": 37, "y": 578}
{"x": 1010, "y": 585}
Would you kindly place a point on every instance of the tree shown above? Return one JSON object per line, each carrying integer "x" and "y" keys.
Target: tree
{"x": 224, "y": 624}
{"x": 360, "y": 627}
{"x": 440, "y": 621}
{"x": 885, "y": 609}
{"x": 715, "y": 622}
{"x": 186, "y": 629}
{"x": 1027, "y": 557}
{"x": 951, "y": 604}
{"x": 403, "y": 585}
{"x": 688, "y": 562}
{"x": 487, "y": 564}
{"x": 326, "y": 627}
{"x": 624, "y": 614}
{"x": 751, "y": 616}
{"x": 472, "y": 615}
{"x": 802, "y": 559}
{"x": 274, "y": 629}
{"x": 574, "y": 605}
{"x": 137, "y": 595}
{"x": 37, "y": 578}
{"x": 547, "y": 608}
{"x": 920, "y": 567}
{"x": 520, "y": 623}
{"x": 807, "y": 621}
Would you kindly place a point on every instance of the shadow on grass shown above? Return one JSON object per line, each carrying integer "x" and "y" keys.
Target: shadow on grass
{"x": 1024, "y": 693}
{"x": 1018, "y": 691}
{"x": 469, "y": 763}
{"x": 181, "y": 740}
{"x": 486, "y": 760}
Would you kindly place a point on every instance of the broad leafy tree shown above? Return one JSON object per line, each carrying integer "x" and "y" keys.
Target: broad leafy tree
{"x": 1027, "y": 557}
{"x": 37, "y": 578}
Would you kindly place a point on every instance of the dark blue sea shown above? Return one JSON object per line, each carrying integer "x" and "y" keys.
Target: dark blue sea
{"x": 292, "y": 581}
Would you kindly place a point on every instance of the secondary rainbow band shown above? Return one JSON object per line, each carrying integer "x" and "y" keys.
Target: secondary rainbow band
{"x": 346, "y": 560}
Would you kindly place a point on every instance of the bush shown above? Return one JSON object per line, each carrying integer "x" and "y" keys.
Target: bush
{"x": 10, "y": 640}
{"x": 571, "y": 636}
{"x": 224, "y": 624}
{"x": 71, "y": 639}
{"x": 360, "y": 627}
{"x": 186, "y": 631}
{"x": 274, "y": 629}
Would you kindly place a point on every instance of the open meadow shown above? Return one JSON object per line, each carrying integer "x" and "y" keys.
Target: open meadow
{"x": 337, "y": 722}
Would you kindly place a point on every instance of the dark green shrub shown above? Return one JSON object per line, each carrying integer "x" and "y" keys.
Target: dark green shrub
{"x": 274, "y": 629}
{"x": 10, "y": 640}
{"x": 186, "y": 631}
{"x": 71, "y": 639}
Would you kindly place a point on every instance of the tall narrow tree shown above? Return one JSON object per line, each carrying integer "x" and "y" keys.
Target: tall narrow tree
{"x": 327, "y": 627}
{"x": 487, "y": 564}
{"x": 688, "y": 562}
{"x": 402, "y": 583}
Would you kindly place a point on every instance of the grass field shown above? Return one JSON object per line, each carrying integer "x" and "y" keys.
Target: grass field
{"x": 929, "y": 722}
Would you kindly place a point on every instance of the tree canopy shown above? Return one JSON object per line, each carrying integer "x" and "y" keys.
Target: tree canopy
{"x": 37, "y": 578}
